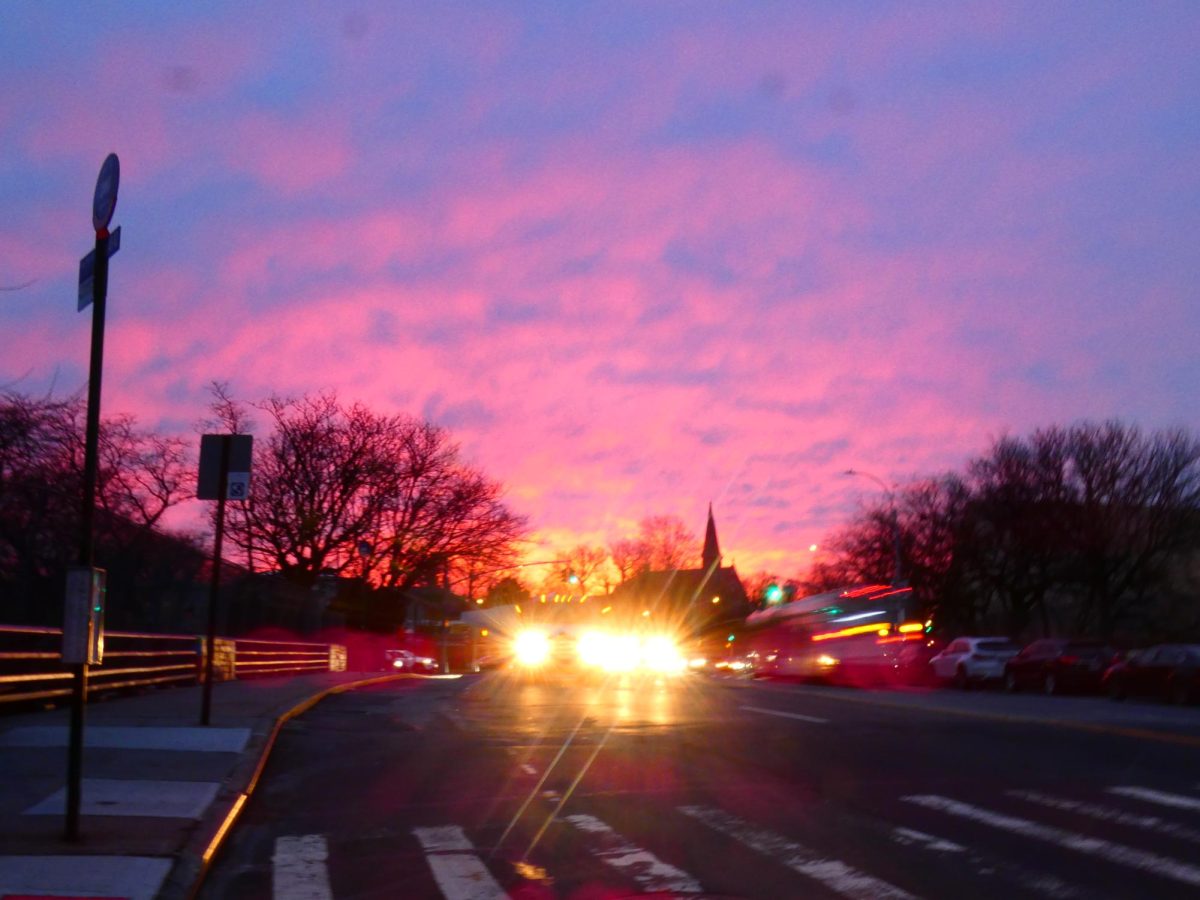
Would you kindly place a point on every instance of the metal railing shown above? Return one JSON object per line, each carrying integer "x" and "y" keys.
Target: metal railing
{"x": 255, "y": 658}
{"x": 31, "y": 667}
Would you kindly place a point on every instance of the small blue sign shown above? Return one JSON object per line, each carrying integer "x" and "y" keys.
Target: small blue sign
{"x": 87, "y": 270}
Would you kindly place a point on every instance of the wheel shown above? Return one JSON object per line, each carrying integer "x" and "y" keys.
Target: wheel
{"x": 1116, "y": 689}
{"x": 961, "y": 681}
{"x": 1050, "y": 683}
{"x": 1010, "y": 682}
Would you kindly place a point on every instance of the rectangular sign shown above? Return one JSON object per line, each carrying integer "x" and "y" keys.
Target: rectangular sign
{"x": 87, "y": 271}
{"x": 83, "y": 616}
{"x": 241, "y": 448}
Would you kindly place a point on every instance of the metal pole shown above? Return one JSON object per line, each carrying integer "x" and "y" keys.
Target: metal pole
{"x": 91, "y": 455}
{"x": 214, "y": 587}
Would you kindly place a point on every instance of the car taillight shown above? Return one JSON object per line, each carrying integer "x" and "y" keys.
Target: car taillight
{"x": 1069, "y": 660}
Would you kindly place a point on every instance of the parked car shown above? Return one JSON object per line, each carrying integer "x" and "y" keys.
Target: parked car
{"x": 407, "y": 661}
{"x": 1055, "y": 665}
{"x": 1170, "y": 671}
{"x": 973, "y": 660}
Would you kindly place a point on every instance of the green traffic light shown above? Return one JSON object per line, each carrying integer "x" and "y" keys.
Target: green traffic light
{"x": 774, "y": 593}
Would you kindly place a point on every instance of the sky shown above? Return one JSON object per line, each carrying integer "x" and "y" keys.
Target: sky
{"x": 636, "y": 257}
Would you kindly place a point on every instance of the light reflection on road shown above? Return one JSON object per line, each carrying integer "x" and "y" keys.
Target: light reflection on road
{"x": 512, "y": 702}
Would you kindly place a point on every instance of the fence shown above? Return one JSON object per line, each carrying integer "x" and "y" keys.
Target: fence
{"x": 31, "y": 667}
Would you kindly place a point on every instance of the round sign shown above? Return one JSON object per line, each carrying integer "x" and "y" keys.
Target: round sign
{"x": 104, "y": 201}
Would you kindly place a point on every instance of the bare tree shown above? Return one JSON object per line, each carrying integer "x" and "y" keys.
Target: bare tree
{"x": 668, "y": 543}
{"x": 629, "y": 556}
{"x": 342, "y": 490}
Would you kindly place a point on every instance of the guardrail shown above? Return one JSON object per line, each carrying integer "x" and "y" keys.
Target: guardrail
{"x": 31, "y": 667}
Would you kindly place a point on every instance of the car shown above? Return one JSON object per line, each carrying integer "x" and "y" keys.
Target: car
{"x": 1170, "y": 671}
{"x": 1055, "y": 665}
{"x": 407, "y": 661}
{"x": 973, "y": 660}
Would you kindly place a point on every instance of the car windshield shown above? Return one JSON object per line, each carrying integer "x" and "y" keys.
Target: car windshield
{"x": 997, "y": 647}
{"x": 1086, "y": 647}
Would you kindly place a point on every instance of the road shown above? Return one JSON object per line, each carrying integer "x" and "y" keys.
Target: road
{"x": 487, "y": 786}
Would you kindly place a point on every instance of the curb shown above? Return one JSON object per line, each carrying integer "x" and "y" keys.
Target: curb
{"x": 192, "y": 868}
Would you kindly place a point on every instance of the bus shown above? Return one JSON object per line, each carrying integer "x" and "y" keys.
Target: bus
{"x": 852, "y": 635}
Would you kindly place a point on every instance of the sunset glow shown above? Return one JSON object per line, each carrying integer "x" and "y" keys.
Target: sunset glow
{"x": 636, "y": 257}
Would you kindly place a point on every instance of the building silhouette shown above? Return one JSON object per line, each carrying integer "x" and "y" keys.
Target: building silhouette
{"x": 693, "y": 601}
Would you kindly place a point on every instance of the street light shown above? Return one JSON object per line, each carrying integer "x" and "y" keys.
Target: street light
{"x": 890, "y": 493}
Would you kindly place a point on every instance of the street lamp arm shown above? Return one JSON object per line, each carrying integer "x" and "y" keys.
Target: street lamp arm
{"x": 875, "y": 478}
{"x": 890, "y": 492}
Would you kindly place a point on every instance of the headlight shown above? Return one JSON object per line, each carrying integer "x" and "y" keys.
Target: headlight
{"x": 661, "y": 655}
{"x": 593, "y": 648}
{"x": 397, "y": 664}
{"x": 532, "y": 648}
{"x": 826, "y": 661}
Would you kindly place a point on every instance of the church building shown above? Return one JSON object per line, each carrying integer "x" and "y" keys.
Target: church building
{"x": 695, "y": 600}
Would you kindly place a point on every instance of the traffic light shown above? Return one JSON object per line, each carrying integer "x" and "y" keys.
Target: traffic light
{"x": 773, "y": 593}
{"x": 572, "y": 578}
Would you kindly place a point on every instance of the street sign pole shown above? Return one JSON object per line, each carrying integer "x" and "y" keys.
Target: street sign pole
{"x": 104, "y": 201}
{"x": 214, "y": 587}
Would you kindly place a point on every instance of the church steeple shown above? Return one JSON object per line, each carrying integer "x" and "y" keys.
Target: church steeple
{"x": 711, "y": 558}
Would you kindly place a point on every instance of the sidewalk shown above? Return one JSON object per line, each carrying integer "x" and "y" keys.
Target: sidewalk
{"x": 157, "y": 787}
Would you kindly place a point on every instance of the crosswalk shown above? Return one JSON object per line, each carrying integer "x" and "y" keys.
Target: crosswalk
{"x": 1037, "y": 842}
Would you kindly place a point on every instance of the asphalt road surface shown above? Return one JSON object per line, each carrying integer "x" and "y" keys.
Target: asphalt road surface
{"x": 491, "y": 787}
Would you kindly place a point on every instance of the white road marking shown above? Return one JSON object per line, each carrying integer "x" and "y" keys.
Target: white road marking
{"x": 299, "y": 870}
{"x": 786, "y": 715}
{"x": 113, "y": 797}
{"x": 928, "y": 841}
{"x": 134, "y": 877}
{"x": 1178, "y": 801}
{"x": 1138, "y": 859}
{"x": 834, "y": 874}
{"x": 459, "y": 873}
{"x": 207, "y": 740}
{"x": 650, "y": 872}
{"x": 1110, "y": 814}
{"x": 1038, "y": 882}
{"x": 529, "y": 770}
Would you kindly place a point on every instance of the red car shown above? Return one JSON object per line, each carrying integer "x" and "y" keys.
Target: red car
{"x": 1170, "y": 671}
{"x": 1056, "y": 665}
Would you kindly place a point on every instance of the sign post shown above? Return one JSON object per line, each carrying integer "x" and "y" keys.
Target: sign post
{"x": 104, "y": 203}
{"x": 224, "y": 474}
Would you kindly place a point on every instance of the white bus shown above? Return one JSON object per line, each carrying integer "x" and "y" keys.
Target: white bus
{"x": 847, "y": 636}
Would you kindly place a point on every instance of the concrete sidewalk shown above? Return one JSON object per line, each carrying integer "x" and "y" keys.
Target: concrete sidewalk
{"x": 158, "y": 788}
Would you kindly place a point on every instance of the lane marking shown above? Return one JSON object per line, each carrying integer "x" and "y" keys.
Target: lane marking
{"x": 459, "y": 873}
{"x": 834, "y": 874}
{"x": 928, "y": 841}
{"x": 1177, "y": 801}
{"x": 1162, "y": 866}
{"x": 650, "y": 872}
{"x": 1110, "y": 814}
{"x": 786, "y": 715}
{"x": 1030, "y": 880}
{"x": 1166, "y": 737}
{"x": 529, "y": 770}
{"x": 299, "y": 870}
